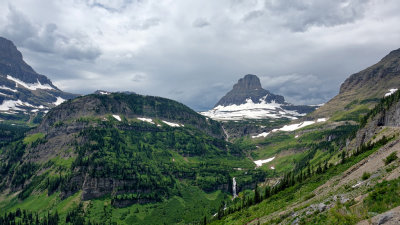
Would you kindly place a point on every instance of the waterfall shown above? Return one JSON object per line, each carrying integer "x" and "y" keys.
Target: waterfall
{"x": 234, "y": 188}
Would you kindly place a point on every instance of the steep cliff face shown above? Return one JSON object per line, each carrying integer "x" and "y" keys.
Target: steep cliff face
{"x": 248, "y": 87}
{"x": 22, "y": 90}
{"x": 385, "y": 115}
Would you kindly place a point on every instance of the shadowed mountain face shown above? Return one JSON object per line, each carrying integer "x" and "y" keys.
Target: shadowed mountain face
{"x": 366, "y": 86}
{"x": 248, "y": 87}
{"x": 22, "y": 90}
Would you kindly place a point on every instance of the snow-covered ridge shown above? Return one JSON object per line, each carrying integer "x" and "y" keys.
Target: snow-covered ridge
{"x": 251, "y": 110}
{"x": 391, "y": 91}
{"x": 30, "y": 86}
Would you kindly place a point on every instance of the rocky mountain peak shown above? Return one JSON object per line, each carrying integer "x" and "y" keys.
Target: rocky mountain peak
{"x": 12, "y": 63}
{"x": 249, "y": 87}
{"x": 248, "y": 82}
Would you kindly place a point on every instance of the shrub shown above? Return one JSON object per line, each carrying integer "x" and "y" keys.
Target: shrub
{"x": 390, "y": 158}
{"x": 365, "y": 176}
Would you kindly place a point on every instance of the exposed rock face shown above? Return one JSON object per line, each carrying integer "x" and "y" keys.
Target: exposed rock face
{"x": 22, "y": 90}
{"x": 12, "y": 63}
{"x": 385, "y": 70}
{"x": 248, "y": 87}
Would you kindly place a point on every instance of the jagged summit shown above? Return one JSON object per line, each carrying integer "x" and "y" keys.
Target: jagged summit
{"x": 22, "y": 90}
{"x": 248, "y": 82}
{"x": 248, "y": 100}
{"x": 248, "y": 87}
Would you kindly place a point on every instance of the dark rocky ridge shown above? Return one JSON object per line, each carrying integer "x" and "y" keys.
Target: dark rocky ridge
{"x": 248, "y": 87}
{"x": 386, "y": 69}
{"x": 12, "y": 64}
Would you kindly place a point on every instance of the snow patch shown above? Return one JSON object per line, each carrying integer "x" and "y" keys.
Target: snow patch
{"x": 148, "y": 120}
{"x": 263, "y": 161}
{"x": 7, "y": 88}
{"x": 14, "y": 105}
{"x": 59, "y": 101}
{"x": 172, "y": 124}
{"x": 117, "y": 117}
{"x": 263, "y": 134}
{"x": 272, "y": 168}
{"x": 391, "y": 91}
{"x": 358, "y": 184}
{"x": 30, "y": 86}
{"x": 293, "y": 127}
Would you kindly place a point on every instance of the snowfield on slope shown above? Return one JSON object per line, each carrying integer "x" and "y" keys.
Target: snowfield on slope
{"x": 263, "y": 161}
{"x": 291, "y": 127}
{"x": 172, "y": 124}
{"x": 148, "y": 120}
{"x": 117, "y": 117}
{"x": 30, "y": 86}
{"x": 14, "y": 105}
{"x": 59, "y": 101}
{"x": 251, "y": 110}
{"x": 391, "y": 91}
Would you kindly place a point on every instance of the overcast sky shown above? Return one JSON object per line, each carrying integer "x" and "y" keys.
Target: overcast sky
{"x": 193, "y": 51}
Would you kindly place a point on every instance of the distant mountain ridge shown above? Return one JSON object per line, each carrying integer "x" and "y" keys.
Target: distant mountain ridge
{"x": 22, "y": 90}
{"x": 248, "y": 100}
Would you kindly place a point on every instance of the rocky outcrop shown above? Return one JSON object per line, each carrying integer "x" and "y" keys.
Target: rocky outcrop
{"x": 248, "y": 87}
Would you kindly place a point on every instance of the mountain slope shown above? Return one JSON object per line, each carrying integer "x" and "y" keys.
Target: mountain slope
{"x": 365, "y": 87}
{"x": 128, "y": 152}
{"x": 341, "y": 171}
{"x": 22, "y": 90}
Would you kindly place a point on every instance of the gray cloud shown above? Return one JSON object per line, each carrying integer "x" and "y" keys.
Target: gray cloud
{"x": 300, "y": 49}
{"x": 46, "y": 38}
{"x": 299, "y": 15}
{"x": 200, "y": 22}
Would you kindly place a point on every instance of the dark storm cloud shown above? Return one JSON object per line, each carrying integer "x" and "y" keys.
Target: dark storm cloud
{"x": 194, "y": 51}
{"x": 299, "y": 15}
{"x": 46, "y": 38}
